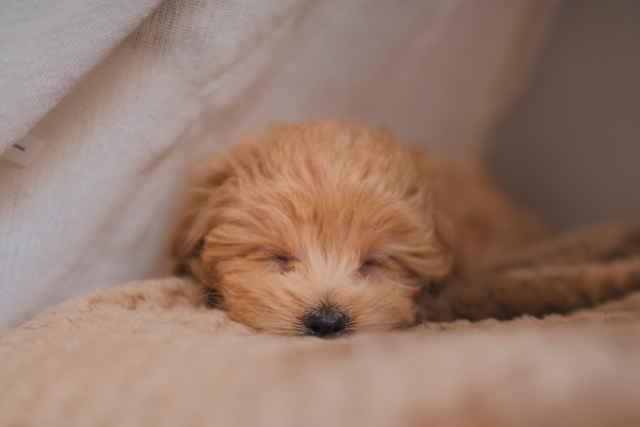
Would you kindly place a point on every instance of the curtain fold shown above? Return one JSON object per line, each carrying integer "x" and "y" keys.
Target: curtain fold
{"x": 46, "y": 48}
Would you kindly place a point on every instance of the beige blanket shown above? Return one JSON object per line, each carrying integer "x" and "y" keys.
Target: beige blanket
{"x": 151, "y": 353}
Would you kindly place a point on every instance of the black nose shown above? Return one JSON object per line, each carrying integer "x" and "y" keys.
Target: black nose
{"x": 325, "y": 323}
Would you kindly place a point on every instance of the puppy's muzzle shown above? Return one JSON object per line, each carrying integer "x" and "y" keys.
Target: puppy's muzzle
{"x": 325, "y": 323}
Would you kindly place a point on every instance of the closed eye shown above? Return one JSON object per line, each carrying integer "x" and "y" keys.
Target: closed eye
{"x": 285, "y": 263}
{"x": 281, "y": 258}
{"x": 369, "y": 265}
{"x": 277, "y": 261}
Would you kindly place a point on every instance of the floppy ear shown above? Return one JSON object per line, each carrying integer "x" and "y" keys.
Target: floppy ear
{"x": 436, "y": 204}
{"x": 189, "y": 234}
{"x": 197, "y": 216}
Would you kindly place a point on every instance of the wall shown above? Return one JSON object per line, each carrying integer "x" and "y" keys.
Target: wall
{"x": 570, "y": 147}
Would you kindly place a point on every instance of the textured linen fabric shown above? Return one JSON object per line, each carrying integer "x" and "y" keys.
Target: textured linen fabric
{"x": 47, "y": 47}
{"x": 148, "y": 354}
{"x": 95, "y": 207}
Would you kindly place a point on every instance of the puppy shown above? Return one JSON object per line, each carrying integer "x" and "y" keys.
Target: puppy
{"x": 327, "y": 228}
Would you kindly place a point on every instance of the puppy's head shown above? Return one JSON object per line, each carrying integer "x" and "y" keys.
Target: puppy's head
{"x": 322, "y": 228}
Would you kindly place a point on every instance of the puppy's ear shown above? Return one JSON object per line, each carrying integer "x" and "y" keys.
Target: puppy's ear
{"x": 195, "y": 218}
{"x": 446, "y": 233}
{"x": 198, "y": 214}
{"x": 434, "y": 204}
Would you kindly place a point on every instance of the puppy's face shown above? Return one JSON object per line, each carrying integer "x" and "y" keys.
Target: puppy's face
{"x": 324, "y": 228}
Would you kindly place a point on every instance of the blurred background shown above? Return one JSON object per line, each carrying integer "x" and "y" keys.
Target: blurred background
{"x": 569, "y": 147}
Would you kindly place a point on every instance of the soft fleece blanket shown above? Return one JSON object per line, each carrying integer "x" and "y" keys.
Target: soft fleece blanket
{"x": 152, "y": 353}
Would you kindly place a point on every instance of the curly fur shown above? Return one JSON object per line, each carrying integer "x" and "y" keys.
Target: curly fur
{"x": 332, "y": 215}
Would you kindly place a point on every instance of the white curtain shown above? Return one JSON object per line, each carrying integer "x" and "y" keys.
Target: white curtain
{"x": 126, "y": 94}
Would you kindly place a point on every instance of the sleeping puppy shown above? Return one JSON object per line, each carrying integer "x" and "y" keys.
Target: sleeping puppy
{"x": 328, "y": 228}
